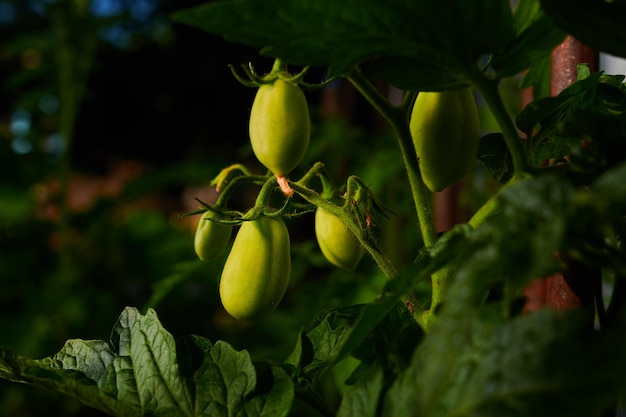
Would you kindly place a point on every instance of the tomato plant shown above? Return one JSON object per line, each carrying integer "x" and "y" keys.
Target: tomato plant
{"x": 451, "y": 331}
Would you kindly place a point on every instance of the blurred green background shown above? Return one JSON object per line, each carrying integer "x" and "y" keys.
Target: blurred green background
{"x": 112, "y": 120}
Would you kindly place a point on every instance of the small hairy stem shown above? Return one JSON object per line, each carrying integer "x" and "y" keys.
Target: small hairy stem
{"x": 263, "y": 198}
{"x": 278, "y": 66}
{"x": 236, "y": 182}
{"x": 311, "y": 173}
{"x": 313, "y": 197}
{"x": 227, "y": 174}
{"x": 397, "y": 118}
{"x": 383, "y": 262}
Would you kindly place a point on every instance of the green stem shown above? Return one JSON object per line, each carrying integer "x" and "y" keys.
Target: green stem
{"x": 397, "y": 118}
{"x": 385, "y": 265}
{"x": 237, "y": 182}
{"x": 489, "y": 90}
{"x": 279, "y": 67}
{"x": 383, "y": 262}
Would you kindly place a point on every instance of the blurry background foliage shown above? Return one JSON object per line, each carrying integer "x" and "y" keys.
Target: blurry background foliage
{"x": 112, "y": 120}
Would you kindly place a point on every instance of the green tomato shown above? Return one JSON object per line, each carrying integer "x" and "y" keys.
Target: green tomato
{"x": 446, "y": 134}
{"x": 338, "y": 244}
{"x": 280, "y": 126}
{"x": 258, "y": 268}
{"x": 211, "y": 237}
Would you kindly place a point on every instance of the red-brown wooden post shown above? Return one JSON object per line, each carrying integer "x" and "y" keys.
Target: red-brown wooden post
{"x": 571, "y": 288}
{"x": 448, "y": 210}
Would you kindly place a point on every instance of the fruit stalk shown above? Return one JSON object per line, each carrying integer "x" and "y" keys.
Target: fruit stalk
{"x": 397, "y": 117}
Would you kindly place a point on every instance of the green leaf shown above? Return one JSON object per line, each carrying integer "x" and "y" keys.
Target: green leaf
{"x": 611, "y": 184}
{"x": 295, "y": 357}
{"x": 228, "y": 380}
{"x": 413, "y": 74}
{"x": 70, "y": 382}
{"x": 361, "y": 399}
{"x": 439, "y": 38}
{"x": 495, "y": 156}
{"x": 145, "y": 364}
{"x": 373, "y": 314}
{"x": 551, "y": 110}
{"x": 597, "y": 23}
{"x": 533, "y": 44}
{"x": 536, "y": 212}
{"x": 538, "y": 77}
{"x": 318, "y": 32}
{"x": 341, "y": 332}
{"x": 476, "y": 364}
{"x": 585, "y": 122}
{"x": 600, "y": 227}
{"x": 391, "y": 343}
{"x": 145, "y": 372}
{"x": 344, "y": 331}
{"x": 526, "y": 12}
{"x": 487, "y": 24}
{"x": 328, "y": 335}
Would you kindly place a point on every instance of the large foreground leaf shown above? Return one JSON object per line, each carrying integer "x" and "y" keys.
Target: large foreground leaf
{"x": 545, "y": 364}
{"x": 597, "y": 23}
{"x": 144, "y": 372}
{"x": 438, "y": 39}
{"x": 424, "y": 45}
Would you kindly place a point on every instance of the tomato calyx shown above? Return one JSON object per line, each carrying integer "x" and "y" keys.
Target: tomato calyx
{"x": 251, "y": 77}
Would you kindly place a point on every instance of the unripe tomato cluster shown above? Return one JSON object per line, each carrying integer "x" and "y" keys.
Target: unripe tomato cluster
{"x": 445, "y": 131}
{"x": 257, "y": 271}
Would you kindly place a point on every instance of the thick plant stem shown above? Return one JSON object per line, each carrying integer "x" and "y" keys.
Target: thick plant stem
{"x": 489, "y": 90}
{"x": 397, "y": 118}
